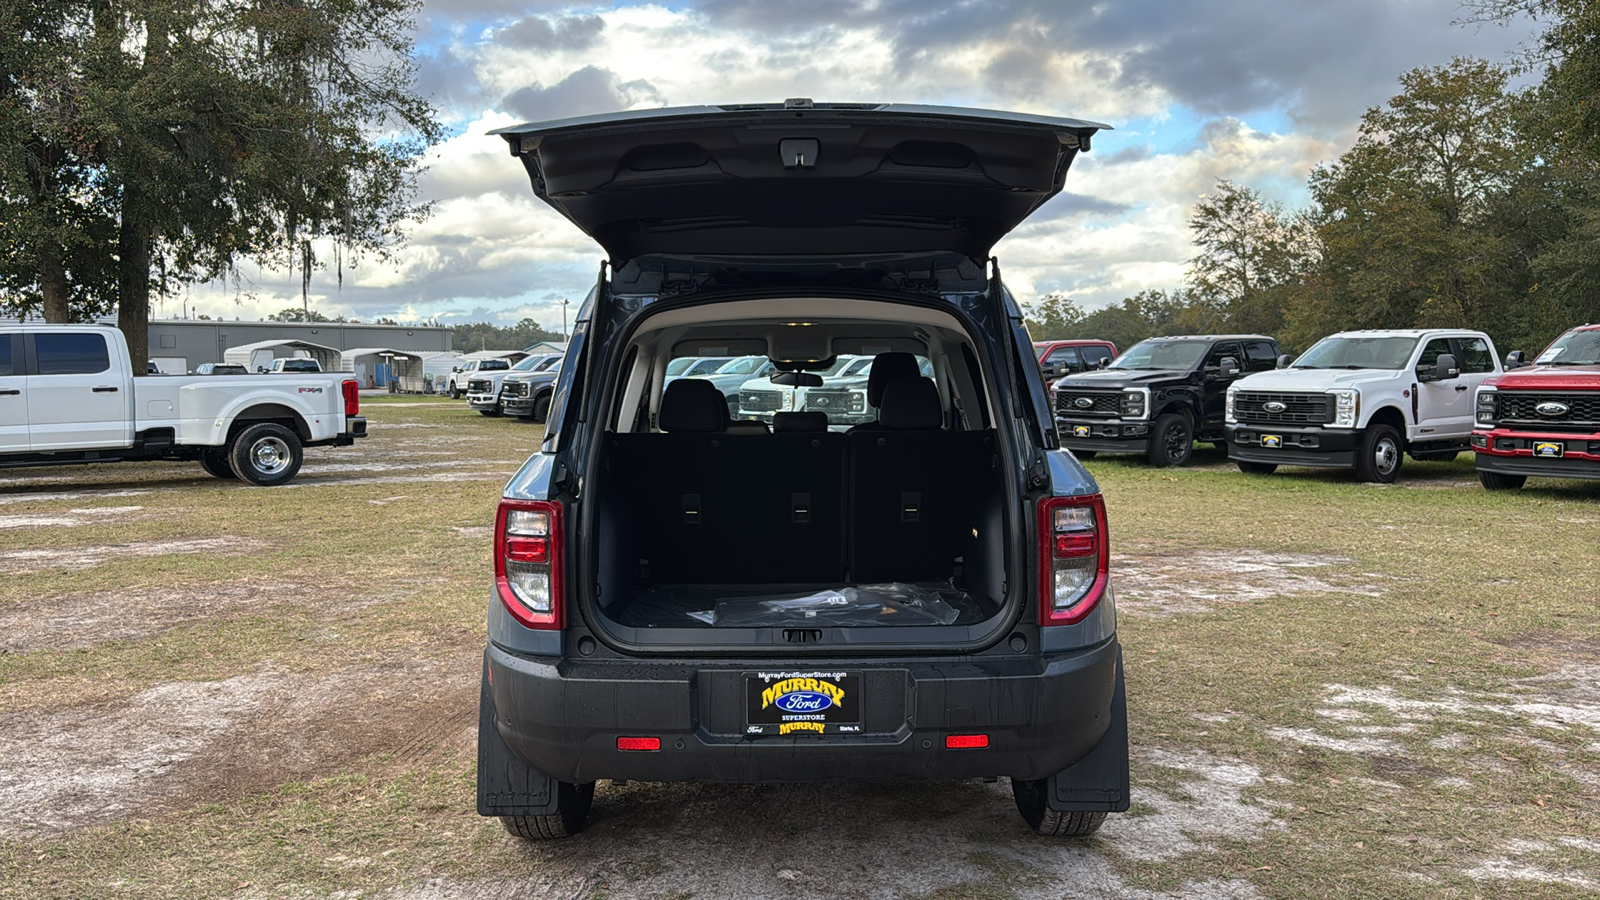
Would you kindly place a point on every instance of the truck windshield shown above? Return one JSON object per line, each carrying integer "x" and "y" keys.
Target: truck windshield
{"x": 1575, "y": 348}
{"x": 1182, "y": 355}
{"x": 1358, "y": 353}
{"x": 493, "y": 365}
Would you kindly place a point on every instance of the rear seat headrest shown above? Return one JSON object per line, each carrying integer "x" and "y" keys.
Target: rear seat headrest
{"x": 786, "y": 422}
{"x": 692, "y": 405}
{"x": 746, "y": 427}
{"x": 911, "y": 404}
{"x": 887, "y": 367}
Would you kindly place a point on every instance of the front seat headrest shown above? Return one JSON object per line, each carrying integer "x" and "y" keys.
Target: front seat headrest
{"x": 911, "y": 404}
{"x": 788, "y": 422}
{"x": 887, "y": 367}
{"x": 692, "y": 405}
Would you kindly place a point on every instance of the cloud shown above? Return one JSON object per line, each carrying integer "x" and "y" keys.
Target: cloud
{"x": 586, "y": 91}
{"x": 538, "y": 33}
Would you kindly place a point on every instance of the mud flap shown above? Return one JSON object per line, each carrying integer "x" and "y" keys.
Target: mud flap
{"x": 1099, "y": 781}
{"x": 507, "y": 786}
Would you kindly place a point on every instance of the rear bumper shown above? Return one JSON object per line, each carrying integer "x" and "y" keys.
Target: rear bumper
{"x": 1513, "y": 453}
{"x": 1326, "y": 447}
{"x": 1041, "y": 715}
{"x": 1102, "y": 436}
{"x": 354, "y": 427}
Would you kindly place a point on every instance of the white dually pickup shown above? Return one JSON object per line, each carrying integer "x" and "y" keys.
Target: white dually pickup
{"x": 68, "y": 395}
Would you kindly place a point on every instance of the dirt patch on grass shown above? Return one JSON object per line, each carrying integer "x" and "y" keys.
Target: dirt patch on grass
{"x": 1195, "y": 581}
{"x": 87, "y": 516}
{"x": 47, "y": 497}
{"x": 19, "y": 562}
{"x": 191, "y": 742}
{"x": 88, "y": 618}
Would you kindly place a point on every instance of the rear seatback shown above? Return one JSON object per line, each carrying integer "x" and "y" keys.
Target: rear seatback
{"x": 914, "y": 489}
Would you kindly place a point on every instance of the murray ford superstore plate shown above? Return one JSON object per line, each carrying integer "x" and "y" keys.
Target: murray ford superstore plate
{"x": 802, "y": 703}
{"x": 1549, "y": 449}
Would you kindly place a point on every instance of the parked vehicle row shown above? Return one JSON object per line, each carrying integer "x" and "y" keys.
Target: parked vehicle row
{"x": 68, "y": 395}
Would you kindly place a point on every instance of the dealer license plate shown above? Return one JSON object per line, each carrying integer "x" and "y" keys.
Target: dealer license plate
{"x": 1272, "y": 441}
{"x": 1080, "y": 431}
{"x": 801, "y": 702}
{"x": 1551, "y": 449}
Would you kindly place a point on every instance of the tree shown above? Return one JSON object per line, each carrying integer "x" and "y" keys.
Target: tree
{"x": 1249, "y": 253}
{"x": 1053, "y": 317}
{"x": 488, "y": 336}
{"x": 1406, "y": 218}
{"x": 298, "y": 314}
{"x": 213, "y": 131}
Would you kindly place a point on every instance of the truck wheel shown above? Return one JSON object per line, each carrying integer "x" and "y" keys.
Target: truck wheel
{"x": 1379, "y": 457}
{"x": 266, "y": 455}
{"x": 572, "y": 810}
{"x": 1171, "y": 441}
{"x": 1046, "y": 821}
{"x": 1255, "y": 468}
{"x": 455, "y": 392}
{"x": 215, "y": 462}
{"x": 1499, "y": 481}
{"x": 541, "y": 407}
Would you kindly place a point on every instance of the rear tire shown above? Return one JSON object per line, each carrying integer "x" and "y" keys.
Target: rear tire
{"x": 572, "y": 811}
{"x": 266, "y": 455}
{"x": 1030, "y": 797}
{"x": 1171, "y": 441}
{"x": 1256, "y": 468}
{"x": 1499, "y": 481}
{"x": 1380, "y": 455}
{"x": 215, "y": 462}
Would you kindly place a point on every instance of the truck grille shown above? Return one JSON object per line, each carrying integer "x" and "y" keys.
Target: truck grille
{"x": 1582, "y": 411}
{"x": 760, "y": 401}
{"x": 479, "y": 386}
{"x": 834, "y": 401}
{"x": 1102, "y": 404}
{"x": 513, "y": 389}
{"x": 1298, "y": 409}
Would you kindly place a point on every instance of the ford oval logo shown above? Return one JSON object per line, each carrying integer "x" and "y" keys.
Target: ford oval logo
{"x": 1274, "y": 406}
{"x": 1083, "y": 403}
{"x": 803, "y": 701}
{"x": 1552, "y": 408}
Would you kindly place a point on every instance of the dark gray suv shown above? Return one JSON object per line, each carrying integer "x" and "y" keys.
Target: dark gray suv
{"x": 682, "y": 597}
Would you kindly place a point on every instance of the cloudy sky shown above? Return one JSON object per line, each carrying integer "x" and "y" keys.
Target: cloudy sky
{"x": 1256, "y": 91}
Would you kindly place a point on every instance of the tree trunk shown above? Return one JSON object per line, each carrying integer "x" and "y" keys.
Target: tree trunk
{"x": 133, "y": 277}
{"x": 53, "y": 283}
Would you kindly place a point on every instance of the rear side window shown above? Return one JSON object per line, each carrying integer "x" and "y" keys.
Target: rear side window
{"x": 1475, "y": 355}
{"x": 1260, "y": 356}
{"x": 5, "y": 355}
{"x": 71, "y": 354}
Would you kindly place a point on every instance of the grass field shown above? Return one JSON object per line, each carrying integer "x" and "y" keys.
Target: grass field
{"x": 1335, "y": 690}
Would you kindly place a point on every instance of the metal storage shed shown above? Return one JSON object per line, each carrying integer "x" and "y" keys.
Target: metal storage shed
{"x": 377, "y": 366}
{"x": 261, "y": 354}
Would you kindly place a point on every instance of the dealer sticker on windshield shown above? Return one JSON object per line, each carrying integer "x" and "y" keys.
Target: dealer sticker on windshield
{"x": 802, "y": 703}
{"x": 1548, "y": 448}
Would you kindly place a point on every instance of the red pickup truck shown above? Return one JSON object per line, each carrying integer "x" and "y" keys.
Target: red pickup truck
{"x": 1542, "y": 420}
{"x": 1059, "y": 358}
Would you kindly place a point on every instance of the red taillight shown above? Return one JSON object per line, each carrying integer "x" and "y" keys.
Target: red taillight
{"x": 527, "y": 561}
{"x": 638, "y": 743}
{"x": 352, "y": 397}
{"x": 1074, "y": 557}
{"x": 966, "y": 741}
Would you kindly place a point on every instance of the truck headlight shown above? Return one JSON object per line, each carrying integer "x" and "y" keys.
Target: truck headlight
{"x": 1135, "y": 403}
{"x": 1227, "y": 415}
{"x": 1346, "y": 408}
{"x": 1486, "y": 396}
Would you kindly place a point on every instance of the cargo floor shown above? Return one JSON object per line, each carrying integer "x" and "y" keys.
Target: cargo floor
{"x": 762, "y": 605}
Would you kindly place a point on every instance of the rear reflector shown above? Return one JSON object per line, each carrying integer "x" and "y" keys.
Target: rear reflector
{"x": 638, "y": 743}
{"x": 966, "y": 741}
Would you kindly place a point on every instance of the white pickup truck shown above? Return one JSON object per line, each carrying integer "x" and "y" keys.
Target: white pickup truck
{"x": 1361, "y": 399}
{"x": 68, "y": 395}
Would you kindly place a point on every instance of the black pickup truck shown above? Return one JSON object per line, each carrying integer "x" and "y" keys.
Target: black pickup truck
{"x": 1159, "y": 396}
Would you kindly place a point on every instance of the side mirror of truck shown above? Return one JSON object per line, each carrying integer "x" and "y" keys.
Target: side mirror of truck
{"x": 1284, "y": 360}
{"x": 1443, "y": 369}
{"x": 455, "y": 369}
{"x": 1051, "y": 373}
{"x": 1228, "y": 368}
{"x": 1516, "y": 359}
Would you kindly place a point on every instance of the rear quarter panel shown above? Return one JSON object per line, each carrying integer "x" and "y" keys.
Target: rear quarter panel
{"x": 207, "y": 405}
